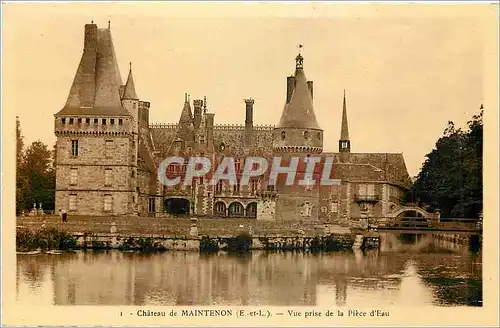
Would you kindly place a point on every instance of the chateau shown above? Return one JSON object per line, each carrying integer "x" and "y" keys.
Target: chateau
{"x": 108, "y": 154}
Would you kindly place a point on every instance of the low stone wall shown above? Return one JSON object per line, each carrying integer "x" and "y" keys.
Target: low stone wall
{"x": 242, "y": 242}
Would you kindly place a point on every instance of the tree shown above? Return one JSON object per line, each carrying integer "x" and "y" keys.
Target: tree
{"x": 39, "y": 175}
{"x": 451, "y": 177}
{"x": 20, "y": 179}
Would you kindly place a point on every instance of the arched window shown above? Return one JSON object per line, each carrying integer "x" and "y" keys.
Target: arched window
{"x": 236, "y": 209}
{"x": 283, "y": 135}
{"x": 220, "y": 209}
{"x": 306, "y": 135}
{"x": 252, "y": 210}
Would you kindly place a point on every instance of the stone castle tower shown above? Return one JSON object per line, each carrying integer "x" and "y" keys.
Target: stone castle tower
{"x": 100, "y": 166}
{"x": 298, "y": 140}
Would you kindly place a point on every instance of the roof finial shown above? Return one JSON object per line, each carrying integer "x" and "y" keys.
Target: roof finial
{"x": 109, "y": 25}
{"x": 130, "y": 65}
{"x": 185, "y": 97}
{"x": 91, "y": 22}
{"x": 204, "y": 104}
{"x": 299, "y": 60}
{"x": 189, "y": 98}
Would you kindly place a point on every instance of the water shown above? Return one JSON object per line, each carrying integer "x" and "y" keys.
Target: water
{"x": 439, "y": 276}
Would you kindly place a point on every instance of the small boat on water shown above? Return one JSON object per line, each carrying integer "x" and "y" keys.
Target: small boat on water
{"x": 29, "y": 253}
{"x": 54, "y": 252}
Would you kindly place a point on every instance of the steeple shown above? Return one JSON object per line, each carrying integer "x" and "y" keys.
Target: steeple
{"x": 299, "y": 113}
{"x": 344, "y": 142}
{"x": 129, "y": 91}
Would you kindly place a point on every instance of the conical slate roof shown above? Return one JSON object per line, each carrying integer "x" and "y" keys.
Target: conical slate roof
{"x": 344, "y": 133}
{"x": 129, "y": 89}
{"x": 96, "y": 86}
{"x": 299, "y": 113}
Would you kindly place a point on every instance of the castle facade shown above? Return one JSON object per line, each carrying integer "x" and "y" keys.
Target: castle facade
{"x": 108, "y": 154}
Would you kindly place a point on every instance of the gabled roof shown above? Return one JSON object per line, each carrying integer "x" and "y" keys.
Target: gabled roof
{"x": 96, "y": 86}
{"x": 299, "y": 113}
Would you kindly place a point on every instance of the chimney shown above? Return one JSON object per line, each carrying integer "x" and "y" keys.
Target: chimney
{"x": 210, "y": 130}
{"x": 290, "y": 86}
{"x": 198, "y": 105}
{"x": 310, "y": 87}
{"x": 248, "y": 121}
{"x": 90, "y": 39}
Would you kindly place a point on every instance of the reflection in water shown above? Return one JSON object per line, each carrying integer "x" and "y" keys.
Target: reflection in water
{"x": 188, "y": 278}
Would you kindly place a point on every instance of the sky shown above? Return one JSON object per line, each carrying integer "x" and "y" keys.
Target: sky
{"x": 406, "y": 70}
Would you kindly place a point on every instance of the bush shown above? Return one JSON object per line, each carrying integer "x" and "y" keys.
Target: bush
{"x": 45, "y": 239}
{"x": 242, "y": 242}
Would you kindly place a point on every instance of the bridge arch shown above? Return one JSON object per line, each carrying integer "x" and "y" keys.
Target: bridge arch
{"x": 413, "y": 212}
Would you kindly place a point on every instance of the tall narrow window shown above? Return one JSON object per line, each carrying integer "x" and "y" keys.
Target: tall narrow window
{"x": 218, "y": 187}
{"x": 236, "y": 187}
{"x": 120, "y": 121}
{"x": 71, "y": 120}
{"x": 107, "y": 177}
{"x": 151, "y": 204}
{"x": 72, "y": 202}
{"x": 73, "y": 177}
{"x": 237, "y": 164}
{"x": 253, "y": 186}
{"x": 109, "y": 148}
{"x": 74, "y": 147}
{"x": 112, "y": 121}
{"x": 108, "y": 202}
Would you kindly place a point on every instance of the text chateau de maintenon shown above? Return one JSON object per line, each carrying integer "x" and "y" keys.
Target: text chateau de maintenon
{"x": 108, "y": 154}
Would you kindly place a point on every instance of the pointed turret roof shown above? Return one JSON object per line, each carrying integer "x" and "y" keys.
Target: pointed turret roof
{"x": 186, "y": 114}
{"x": 299, "y": 113}
{"x": 96, "y": 86}
{"x": 129, "y": 89}
{"x": 344, "y": 133}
